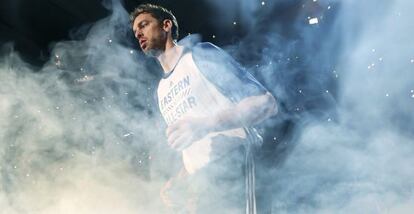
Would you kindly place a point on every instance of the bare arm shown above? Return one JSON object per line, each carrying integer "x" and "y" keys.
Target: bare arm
{"x": 247, "y": 112}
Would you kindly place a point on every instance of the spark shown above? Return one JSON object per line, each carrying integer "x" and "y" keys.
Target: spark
{"x": 412, "y": 60}
{"x": 387, "y": 95}
{"x": 373, "y": 50}
{"x": 85, "y": 78}
{"x": 131, "y": 51}
{"x": 313, "y": 21}
{"x": 234, "y": 23}
{"x": 263, "y": 3}
{"x": 127, "y": 134}
{"x": 110, "y": 40}
{"x": 329, "y": 7}
{"x": 214, "y": 36}
{"x": 329, "y": 119}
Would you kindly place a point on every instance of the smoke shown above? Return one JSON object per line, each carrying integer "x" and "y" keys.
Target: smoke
{"x": 343, "y": 73}
{"x": 79, "y": 135}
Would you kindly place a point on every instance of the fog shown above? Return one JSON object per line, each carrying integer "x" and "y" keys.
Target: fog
{"x": 80, "y": 134}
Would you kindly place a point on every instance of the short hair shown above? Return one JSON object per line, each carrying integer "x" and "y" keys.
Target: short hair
{"x": 158, "y": 12}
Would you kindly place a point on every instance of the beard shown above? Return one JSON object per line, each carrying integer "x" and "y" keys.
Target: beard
{"x": 156, "y": 46}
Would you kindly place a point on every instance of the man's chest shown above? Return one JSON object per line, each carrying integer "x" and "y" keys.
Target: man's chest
{"x": 181, "y": 92}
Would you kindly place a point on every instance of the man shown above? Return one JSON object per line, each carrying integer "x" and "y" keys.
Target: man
{"x": 209, "y": 104}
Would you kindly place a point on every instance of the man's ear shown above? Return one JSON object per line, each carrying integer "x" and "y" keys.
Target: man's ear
{"x": 167, "y": 25}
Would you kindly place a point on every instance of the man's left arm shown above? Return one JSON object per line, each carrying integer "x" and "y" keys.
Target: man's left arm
{"x": 247, "y": 112}
{"x": 252, "y": 102}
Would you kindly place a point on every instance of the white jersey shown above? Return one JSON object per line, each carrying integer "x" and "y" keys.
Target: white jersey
{"x": 187, "y": 92}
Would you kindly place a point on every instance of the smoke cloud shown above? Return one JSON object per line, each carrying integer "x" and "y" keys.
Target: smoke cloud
{"x": 342, "y": 71}
{"x": 79, "y": 135}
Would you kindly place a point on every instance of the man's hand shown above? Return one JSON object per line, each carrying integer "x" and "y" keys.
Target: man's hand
{"x": 173, "y": 193}
{"x": 188, "y": 130}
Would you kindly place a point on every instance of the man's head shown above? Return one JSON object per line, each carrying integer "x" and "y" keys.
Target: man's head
{"x": 153, "y": 26}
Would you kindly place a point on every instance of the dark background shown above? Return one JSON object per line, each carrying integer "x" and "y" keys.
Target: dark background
{"x": 34, "y": 25}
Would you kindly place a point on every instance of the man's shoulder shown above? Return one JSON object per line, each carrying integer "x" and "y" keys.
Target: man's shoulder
{"x": 208, "y": 52}
{"x": 206, "y": 46}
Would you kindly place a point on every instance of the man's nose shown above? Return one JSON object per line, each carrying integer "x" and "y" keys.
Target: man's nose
{"x": 138, "y": 34}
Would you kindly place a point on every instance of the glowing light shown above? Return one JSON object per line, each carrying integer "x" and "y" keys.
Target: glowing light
{"x": 110, "y": 40}
{"x": 412, "y": 60}
{"x": 263, "y": 3}
{"x": 329, "y": 7}
{"x": 412, "y": 95}
{"x": 127, "y": 134}
{"x": 315, "y": 0}
{"x": 214, "y": 36}
{"x": 313, "y": 21}
{"x": 329, "y": 119}
{"x": 380, "y": 59}
{"x": 131, "y": 51}
{"x": 57, "y": 107}
{"x": 327, "y": 91}
{"x": 387, "y": 95}
{"x": 412, "y": 91}
{"x": 373, "y": 50}
{"x": 234, "y": 23}
{"x": 85, "y": 78}
{"x": 300, "y": 91}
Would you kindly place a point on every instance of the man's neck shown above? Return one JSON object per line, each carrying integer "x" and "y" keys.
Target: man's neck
{"x": 169, "y": 58}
